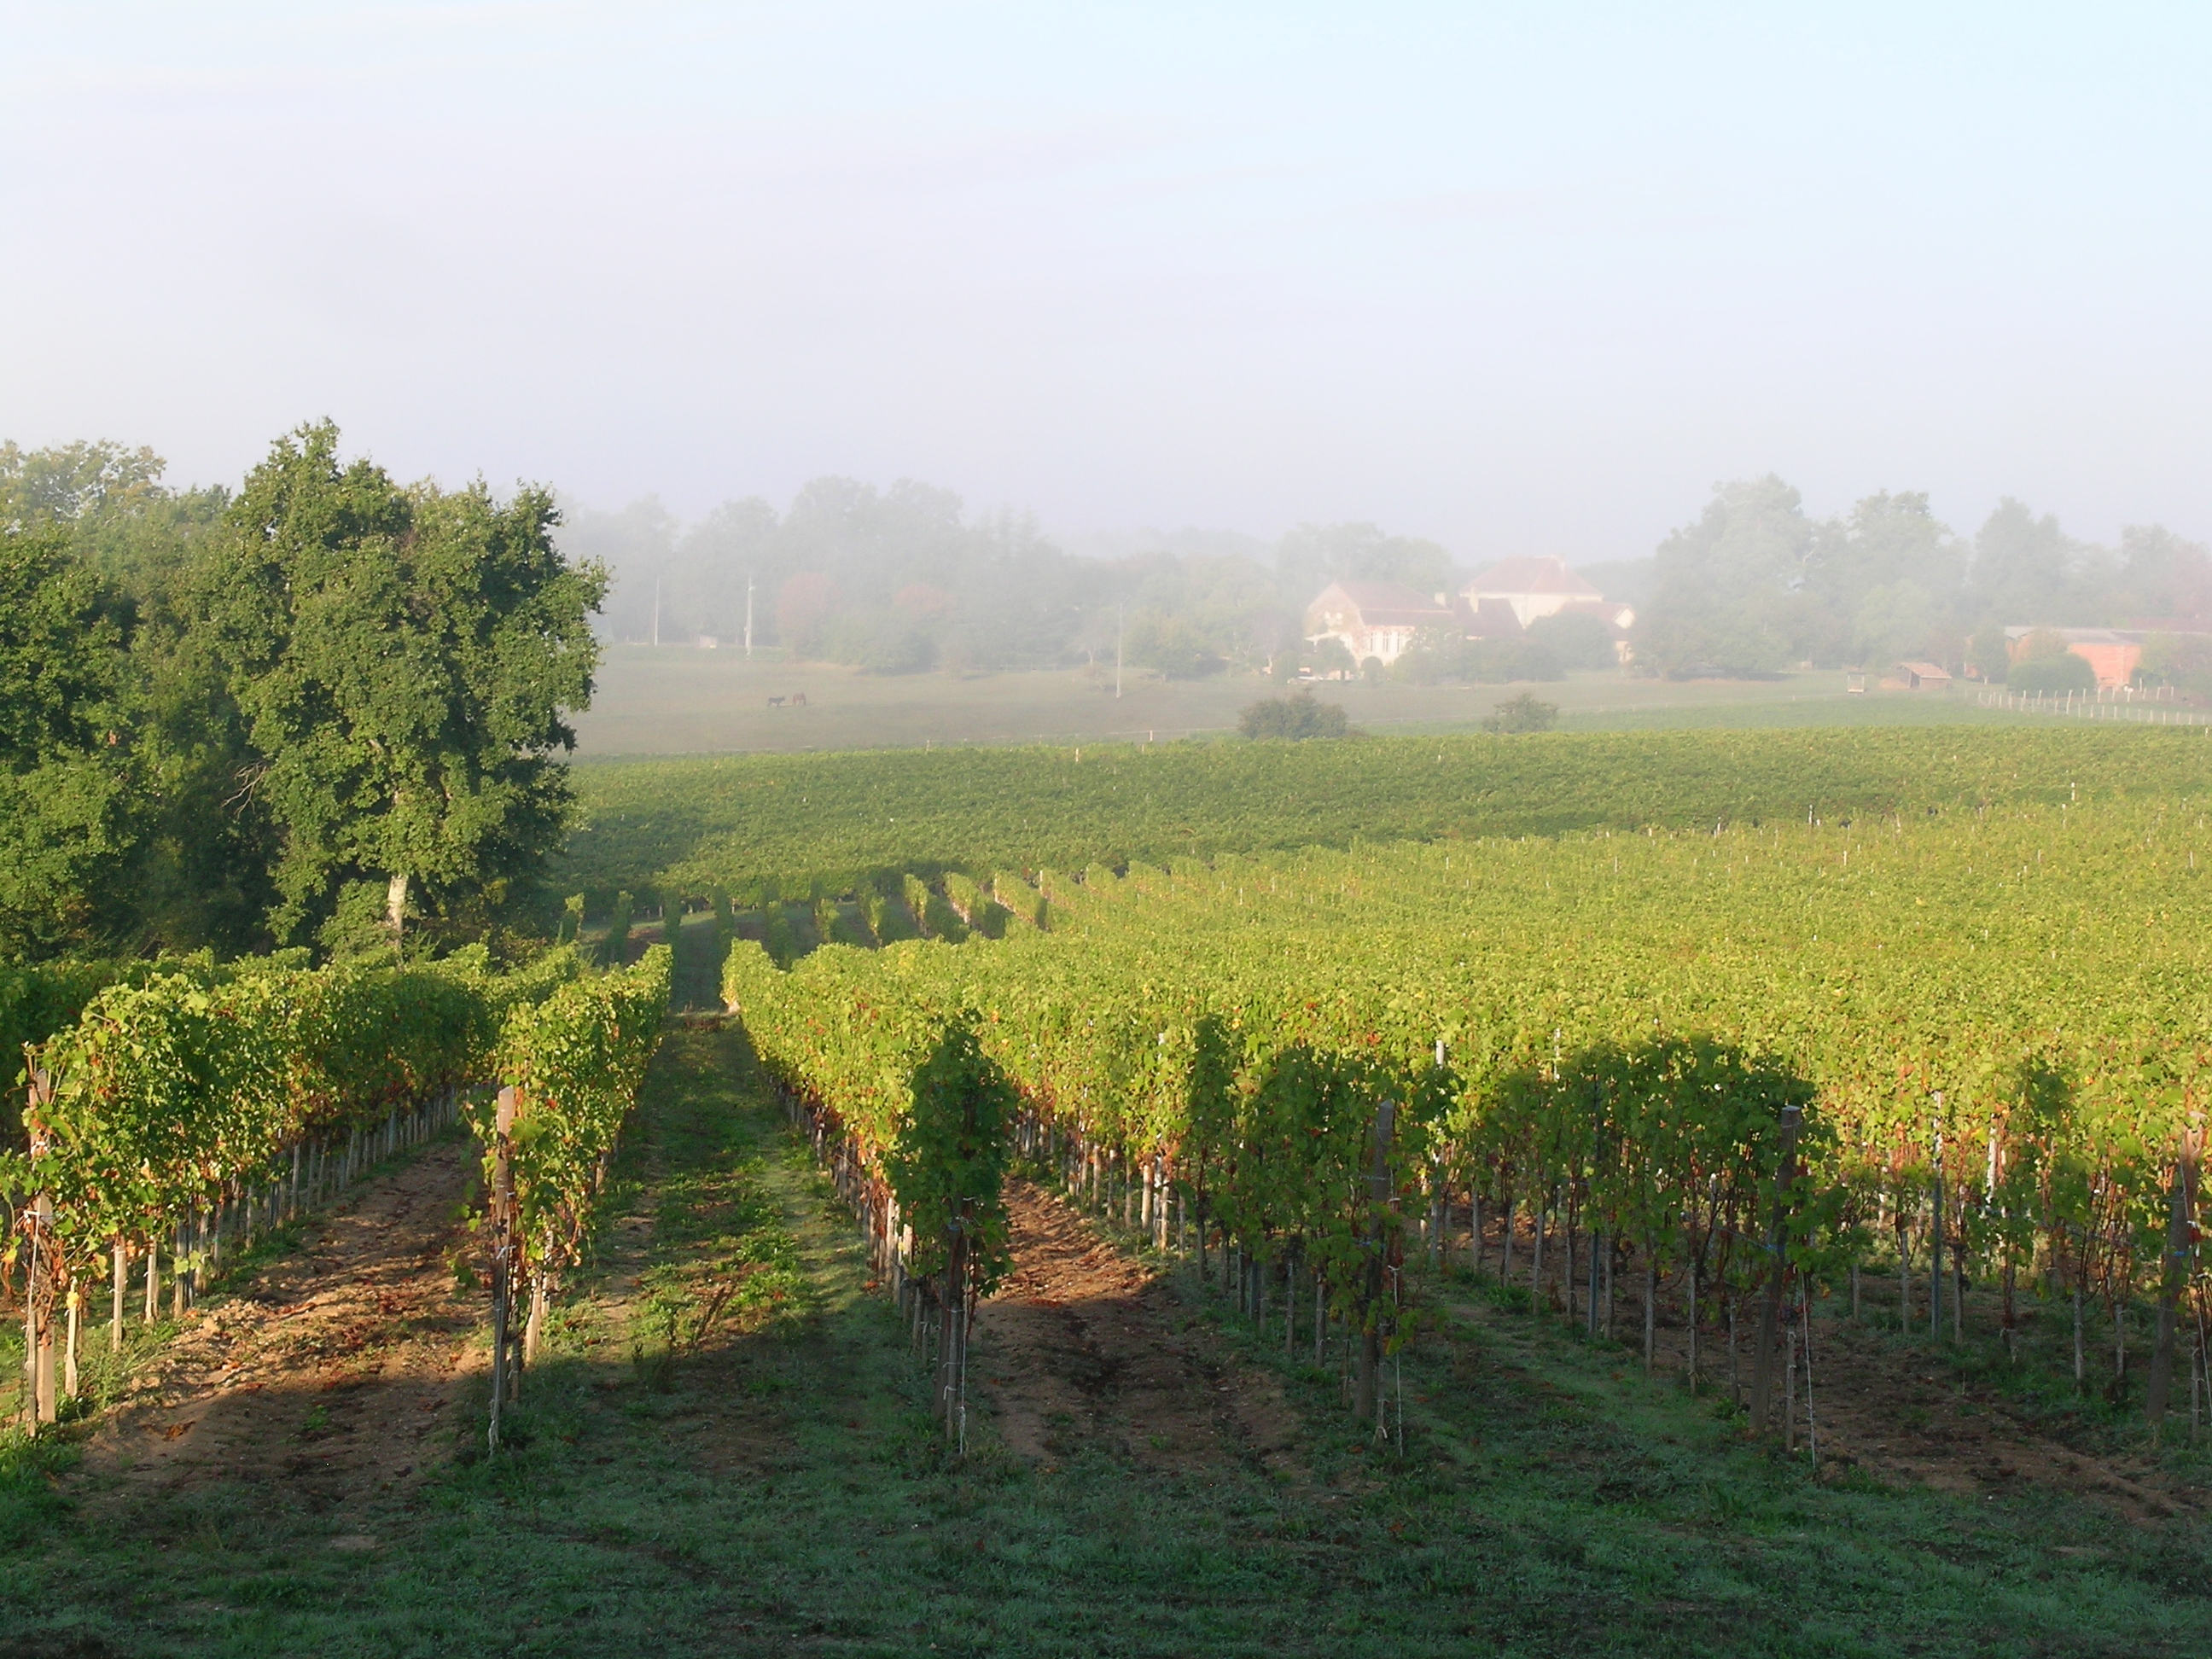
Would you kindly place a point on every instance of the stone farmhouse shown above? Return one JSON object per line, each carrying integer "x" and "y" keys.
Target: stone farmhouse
{"x": 1382, "y": 620}
{"x": 1375, "y": 619}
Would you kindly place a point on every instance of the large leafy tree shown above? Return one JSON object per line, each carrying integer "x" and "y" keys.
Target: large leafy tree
{"x": 1732, "y": 586}
{"x": 198, "y": 874}
{"x": 404, "y": 659}
{"x": 72, "y": 788}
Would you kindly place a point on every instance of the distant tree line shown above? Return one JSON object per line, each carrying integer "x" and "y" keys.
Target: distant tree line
{"x": 325, "y": 710}
{"x": 901, "y": 579}
{"x": 1755, "y": 585}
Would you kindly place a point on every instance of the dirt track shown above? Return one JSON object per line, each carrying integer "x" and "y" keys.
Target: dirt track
{"x": 332, "y": 1377}
{"x": 1080, "y": 1345}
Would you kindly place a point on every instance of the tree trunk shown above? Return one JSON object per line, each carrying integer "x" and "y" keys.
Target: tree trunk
{"x": 395, "y": 906}
{"x": 2175, "y": 1273}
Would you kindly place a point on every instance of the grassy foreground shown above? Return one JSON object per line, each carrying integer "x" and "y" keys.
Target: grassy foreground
{"x": 727, "y": 1453}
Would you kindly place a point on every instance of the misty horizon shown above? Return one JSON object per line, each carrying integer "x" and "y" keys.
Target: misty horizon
{"x": 1513, "y": 283}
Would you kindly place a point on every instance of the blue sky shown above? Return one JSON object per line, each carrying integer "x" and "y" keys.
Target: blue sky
{"x": 1521, "y": 279}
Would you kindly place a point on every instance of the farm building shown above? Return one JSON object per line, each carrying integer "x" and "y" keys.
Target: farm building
{"x": 1375, "y": 619}
{"x": 2113, "y": 652}
{"x": 1527, "y": 590}
{"x": 1541, "y": 588}
{"x": 1382, "y": 619}
{"x": 1924, "y": 677}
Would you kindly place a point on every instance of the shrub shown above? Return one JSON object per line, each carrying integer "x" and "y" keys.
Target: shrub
{"x": 1292, "y": 719}
{"x": 1523, "y": 713}
{"x": 2046, "y": 674}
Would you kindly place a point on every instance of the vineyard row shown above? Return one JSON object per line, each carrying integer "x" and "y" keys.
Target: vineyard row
{"x": 1989, "y": 1031}
{"x": 184, "y": 1112}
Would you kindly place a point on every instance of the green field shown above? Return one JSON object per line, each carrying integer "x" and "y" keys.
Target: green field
{"x": 680, "y": 700}
{"x": 698, "y": 824}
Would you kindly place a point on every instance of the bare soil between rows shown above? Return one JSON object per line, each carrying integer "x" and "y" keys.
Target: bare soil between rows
{"x": 336, "y": 1375}
{"x": 1083, "y": 1346}
{"x": 342, "y": 1372}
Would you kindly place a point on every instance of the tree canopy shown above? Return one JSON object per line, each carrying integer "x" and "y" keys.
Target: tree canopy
{"x": 1755, "y": 585}
{"x": 73, "y": 790}
{"x": 231, "y": 722}
{"x": 404, "y": 659}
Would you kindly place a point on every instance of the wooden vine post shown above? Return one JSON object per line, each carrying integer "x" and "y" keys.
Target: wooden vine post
{"x": 952, "y": 1345}
{"x": 503, "y": 1242}
{"x": 1367, "y": 1397}
{"x": 1778, "y": 1234}
{"x": 40, "y": 1403}
{"x": 2180, "y": 1219}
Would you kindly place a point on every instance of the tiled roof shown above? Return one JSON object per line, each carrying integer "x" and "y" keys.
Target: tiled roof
{"x": 1491, "y": 619}
{"x": 1386, "y": 604}
{"x": 1546, "y": 575}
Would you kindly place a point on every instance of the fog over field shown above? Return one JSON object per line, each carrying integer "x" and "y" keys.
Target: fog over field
{"x": 1515, "y": 280}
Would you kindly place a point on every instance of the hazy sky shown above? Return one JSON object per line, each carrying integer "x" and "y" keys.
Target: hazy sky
{"x": 1521, "y": 279}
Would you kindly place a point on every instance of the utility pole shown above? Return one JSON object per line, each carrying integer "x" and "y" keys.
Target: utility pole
{"x": 1117, "y": 650}
{"x": 656, "y": 611}
{"x": 749, "y": 615}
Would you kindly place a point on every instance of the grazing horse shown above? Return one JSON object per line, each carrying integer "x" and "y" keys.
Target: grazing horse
{"x": 776, "y": 703}
{"x": 799, "y": 700}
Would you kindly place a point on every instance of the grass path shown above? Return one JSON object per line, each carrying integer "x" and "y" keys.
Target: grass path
{"x": 726, "y": 1451}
